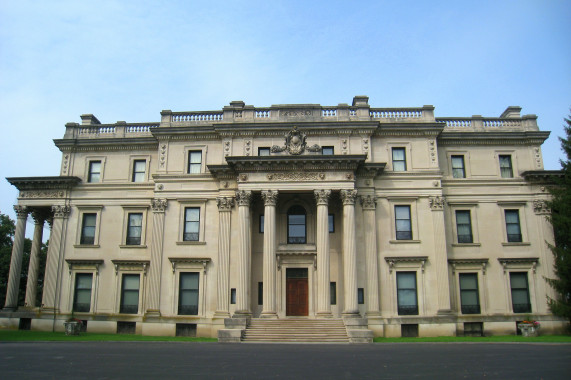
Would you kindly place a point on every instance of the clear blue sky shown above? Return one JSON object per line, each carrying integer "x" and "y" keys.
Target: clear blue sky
{"x": 128, "y": 60}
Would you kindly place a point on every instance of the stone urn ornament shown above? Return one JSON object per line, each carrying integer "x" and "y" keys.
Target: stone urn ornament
{"x": 529, "y": 328}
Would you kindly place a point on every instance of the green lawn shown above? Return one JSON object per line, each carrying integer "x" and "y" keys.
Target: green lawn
{"x": 19, "y": 335}
{"x": 498, "y": 338}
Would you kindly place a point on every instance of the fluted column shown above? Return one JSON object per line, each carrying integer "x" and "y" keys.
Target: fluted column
{"x": 159, "y": 207}
{"x": 269, "y": 272}
{"x": 243, "y": 199}
{"x": 33, "y": 267}
{"x": 349, "y": 252}
{"x": 369, "y": 202}
{"x": 225, "y": 205}
{"x": 323, "y": 259}
{"x": 54, "y": 259}
{"x": 441, "y": 258}
{"x": 16, "y": 260}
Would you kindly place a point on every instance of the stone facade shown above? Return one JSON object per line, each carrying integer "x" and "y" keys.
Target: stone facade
{"x": 399, "y": 222}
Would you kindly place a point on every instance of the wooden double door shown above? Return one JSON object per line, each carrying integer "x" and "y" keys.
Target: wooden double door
{"x": 297, "y": 290}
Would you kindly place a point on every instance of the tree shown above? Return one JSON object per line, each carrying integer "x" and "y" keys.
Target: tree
{"x": 561, "y": 221}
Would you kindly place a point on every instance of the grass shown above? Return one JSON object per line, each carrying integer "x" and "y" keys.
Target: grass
{"x": 486, "y": 339}
{"x": 43, "y": 336}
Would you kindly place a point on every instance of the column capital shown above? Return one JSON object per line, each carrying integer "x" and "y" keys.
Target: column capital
{"x": 270, "y": 197}
{"x": 369, "y": 201}
{"x": 21, "y": 211}
{"x": 61, "y": 211}
{"x": 348, "y": 196}
{"x": 436, "y": 203}
{"x": 322, "y": 196}
{"x": 243, "y": 197}
{"x": 225, "y": 203}
{"x": 39, "y": 216}
{"x": 159, "y": 205}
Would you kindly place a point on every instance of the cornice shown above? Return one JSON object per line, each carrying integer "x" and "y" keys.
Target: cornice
{"x": 493, "y": 138}
{"x": 290, "y": 162}
{"x": 106, "y": 144}
{"x": 543, "y": 176}
{"x": 43, "y": 183}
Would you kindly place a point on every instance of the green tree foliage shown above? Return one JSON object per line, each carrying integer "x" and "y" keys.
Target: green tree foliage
{"x": 7, "y": 230}
{"x": 561, "y": 221}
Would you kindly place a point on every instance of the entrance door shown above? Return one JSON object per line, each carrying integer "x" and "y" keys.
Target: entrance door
{"x": 296, "y": 292}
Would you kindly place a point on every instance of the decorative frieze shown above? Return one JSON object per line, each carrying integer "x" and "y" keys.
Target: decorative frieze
{"x": 225, "y": 203}
{"x": 159, "y": 205}
{"x": 322, "y": 197}
{"x": 270, "y": 197}
{"x": 437, "y": 203}
{"x": 540, "y": 207}
{"x": 348, "y": 196}
{"x": 296, "y": 176}
{"x": 61, "y": 211}
{"x": 243, "y": 197}
{"x": 42, "y": 194}
{"x": 162, "y": 155}
{"x": 295, "y": 143}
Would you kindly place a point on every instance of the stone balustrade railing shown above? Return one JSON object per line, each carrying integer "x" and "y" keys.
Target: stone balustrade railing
{"x": 479, "y": 122}
{"x": 396, "y": 113}
{"x": 120, "y": 129}
{"x": 208, "y": 116}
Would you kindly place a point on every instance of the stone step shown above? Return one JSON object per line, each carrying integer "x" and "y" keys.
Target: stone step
{"x": 296, "y": 330}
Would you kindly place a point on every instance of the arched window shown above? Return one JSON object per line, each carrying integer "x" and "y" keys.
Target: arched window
{"x": 296, "y": 225}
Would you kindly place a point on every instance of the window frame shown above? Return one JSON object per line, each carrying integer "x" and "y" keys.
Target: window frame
{"x": 525, "y": 275}
{"x": 76, "y": 290}
{"x": 331, "y": 223}
{"x": 182, "y": 291}
{"x": 82, "y": 210}
{"x": 288, "y": 213}
{"x": 476, "y": 309}
{"x": 513, "y": 238}
{"x": 401, "y": 309}
{"x": 412, "y": 203}
{"x": 203, "y": 153}
{"x": 261, "y": 223}
{"x": 264, "y": 149}
{"x": 333, "y": 293}
{"x": 260, "y": 293}
{"x": 400, "y": 206}
{"x": 327, "y": 147}
{"x": 127, "y": 211}
{"x": 194, "y": 203}
{"x": 124, "y": 291}
{"x": 187, "y": 220}
{"x": 462, "y": 168}
{"x": 133, "y": 167}
{"x": 510, "y": 167}
{"x": 404, "y": 161}
{"x": 469, "y": 224}
{"x": 131, "y": 228}
{"x": 521, "y": 208}
{"x": 90, "y": 172}
{"x": 182, "y": 265}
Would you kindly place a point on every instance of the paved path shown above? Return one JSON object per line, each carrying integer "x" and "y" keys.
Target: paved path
{"x": 156, "y": 360}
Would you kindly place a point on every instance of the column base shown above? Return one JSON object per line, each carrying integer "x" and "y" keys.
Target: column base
{"x": 323, "y": 314}
{"x": 269, "y": 314}
{"x": 351, "y": 314}
{"x": 444, "y": 312}
{"x": 9, "y": 309}
{"x": 373, "y": 314}
{"x": 242, "y": 314}
{"x": 49, "y": 310}
{"x": 221, "y": 314}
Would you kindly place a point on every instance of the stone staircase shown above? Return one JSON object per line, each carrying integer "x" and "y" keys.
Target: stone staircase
{"x": 261, "y": 330}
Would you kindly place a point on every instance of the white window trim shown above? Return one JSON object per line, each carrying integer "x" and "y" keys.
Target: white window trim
{"x": 512, "y": 153}
{"x": 183, "y": 204}
{"x": 130, "y": 267}
{"x": 408, "y": 264}
{"x": 467, "y": 169}
{"x": 134, "y": 210}
{"x": 84, "y": 266}
{"x": 200, "y": 147}
{"x": 478, "y": 266}
{"x": 520, "y": 206}
{"x": 527, "y": 264}
{"x": 182, "y": 265}
{"x": 472, "y": 207}
{"x": 407, "y": 155}
{"x": 412, "y": 202}
{"x": 88, "y": 210}
{"x": 132, "y": 160}
{"x": 88, "y": 161}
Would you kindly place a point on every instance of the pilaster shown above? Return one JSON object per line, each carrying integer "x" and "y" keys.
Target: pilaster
{"x": 158, "y": 207}
{"x": 16, "y": 259}
{"x": 441, "y": 255}
{"x": 369, "y": 204}
{"x": 243, "y": 199}
{"x": 269, "y": 267}
{"x": 54, "y": 261}
{"x": 225, "y": 205}
{"x": 349, "y": 252}
{"x": 323, "y": 259}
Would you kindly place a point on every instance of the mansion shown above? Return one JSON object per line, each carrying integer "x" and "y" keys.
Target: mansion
{"x": 387, "y": 221}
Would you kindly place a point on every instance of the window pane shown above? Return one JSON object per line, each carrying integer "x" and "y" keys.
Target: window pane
{"x": 327, "y": 150}
{"x": 468, "y": 281}
{"x": 297, "y": 219}
{"x": 463, "y": 217}
{"x": 189, "y": 280}
{"x": 407, "y": 297}
{"x": 406, "y": 280}
{"x": 506, "y": 166}
{"x": 195, "y": 157}
{"x": 402, "y": 212}
{"x": 192, "y": 214}
{"x": 131, "y": 282}
{"x": 263, "y": 151}
{"x": 296, "y": 230}
{"x": 512, "y": 216}
{"x": 139, "y": 167}
{"x": 94, "y": 171}
{"x": 88, "y": 229}
{"x": 398, "y": 154}
{"x": 188, "y": 293}
{"x": 331, "y": 223}
{"x": 518, "y": 280}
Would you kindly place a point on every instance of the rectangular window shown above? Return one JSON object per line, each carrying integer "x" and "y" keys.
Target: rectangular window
{"x": 506, "y": 169}
{"x": 520, "y": 292}
{"x": 191, "y": 224}
{"x": 130, "y": 294}
{"x": 134, "y": 229}
{"x": 327, "y": 150}
{"x": 139, "y": 167}
{"x": 94, "y": 174}
{"x": 260, "y": 293}
{"x": 194, "y": 161}
{"x": 188, "y": 293}
{"x": 331, "y": 223}
{"x": 512, "y": 226}
{"x": 402, "y": 223}
{"x": 82, "y": 296}
{"x": 233, "y": 296}
{"x": 458, "y": 170}
{"x": 333, "y": 292}
{"x": 406, "y": 293}
{"x": 88, "y": 229}
{"x": 399, "y": 160}
{"x": 464, "y": 226}
{"x": 261, "y": 224}
{"x": 469, "y": 296}
{"x": 361, "y": 296}
{"x": 263, "y": 151}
